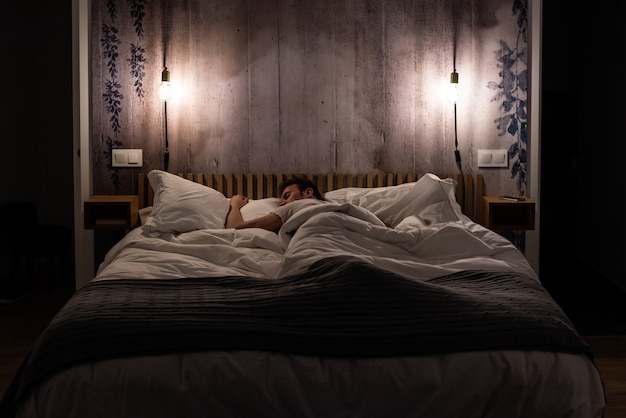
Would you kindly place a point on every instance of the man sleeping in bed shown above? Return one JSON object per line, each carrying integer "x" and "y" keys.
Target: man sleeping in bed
{"x": 299, "y": 192}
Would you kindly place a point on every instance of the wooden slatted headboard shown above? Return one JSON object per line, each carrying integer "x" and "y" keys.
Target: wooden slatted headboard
{"x": 259, "y": 186}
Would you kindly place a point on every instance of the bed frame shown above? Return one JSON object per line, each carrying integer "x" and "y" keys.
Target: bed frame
{"x": 259, "y": 186}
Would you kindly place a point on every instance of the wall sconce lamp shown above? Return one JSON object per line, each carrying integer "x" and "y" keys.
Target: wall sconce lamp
{"x": 166, "y": 88}
{"x": 164, "y": 93}
{"x": 454, "y": 93}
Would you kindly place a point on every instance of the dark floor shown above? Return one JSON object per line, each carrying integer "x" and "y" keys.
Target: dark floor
{"x": 42, "y": 277}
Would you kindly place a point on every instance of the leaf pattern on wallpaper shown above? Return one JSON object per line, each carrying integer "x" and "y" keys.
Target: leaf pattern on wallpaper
{"x": 137, "y": 65}
{"x": 137, "y": 13}
{"x": 113, "y": 97}
{"x": 511, "y": 91}
{"x": 137, "y": 59}
{"x": 111, "y": 9}
{"x": 110, "y": 46}
{"x": 112, "y": 103}
{"x": 112, "y": 89}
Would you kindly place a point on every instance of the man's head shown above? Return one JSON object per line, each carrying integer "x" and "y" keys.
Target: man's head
{"x": 298, "y": 188}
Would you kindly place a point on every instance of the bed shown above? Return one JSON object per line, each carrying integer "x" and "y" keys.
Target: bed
{"x": 386, "y": 300}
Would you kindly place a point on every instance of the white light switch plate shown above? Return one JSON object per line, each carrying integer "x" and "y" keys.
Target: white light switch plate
{"x": 493, "y": 158}
{"x": 127, "y": 158}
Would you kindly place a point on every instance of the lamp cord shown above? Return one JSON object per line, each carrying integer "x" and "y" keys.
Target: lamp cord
{"x": 166, "y": 156}
{"x": 457, "y": 157}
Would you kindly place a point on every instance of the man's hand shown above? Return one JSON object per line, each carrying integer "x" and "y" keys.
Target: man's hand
{"x": 271, "y": 221}
{"x": 238, "y": 201}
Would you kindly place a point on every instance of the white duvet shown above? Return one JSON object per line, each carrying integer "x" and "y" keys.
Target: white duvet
{"x": 419, "y": 246}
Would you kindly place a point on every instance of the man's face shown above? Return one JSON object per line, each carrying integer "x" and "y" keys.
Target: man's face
{"x": 292, "y": 192}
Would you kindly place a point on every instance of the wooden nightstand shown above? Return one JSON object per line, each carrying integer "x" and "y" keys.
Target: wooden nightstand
{"x": 110, "y": 216}
{"x": 111, "y": 212}
{"x": 504, "y": 214}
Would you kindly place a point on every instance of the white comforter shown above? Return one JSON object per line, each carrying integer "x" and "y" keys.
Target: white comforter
{"x": 420, "y": 246}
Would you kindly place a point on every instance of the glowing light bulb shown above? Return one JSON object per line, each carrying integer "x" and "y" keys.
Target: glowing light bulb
{"x": 453, "y": 92}
{"x": 166, "y": 88}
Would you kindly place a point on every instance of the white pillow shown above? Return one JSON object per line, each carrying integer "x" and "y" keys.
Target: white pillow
{"x": 371, "y": 198}
{"x": 392, "y": 204}
{"x": 260, "y": 207}
{"x": 181, "y": 205}
{"x": 431, "y": 198}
